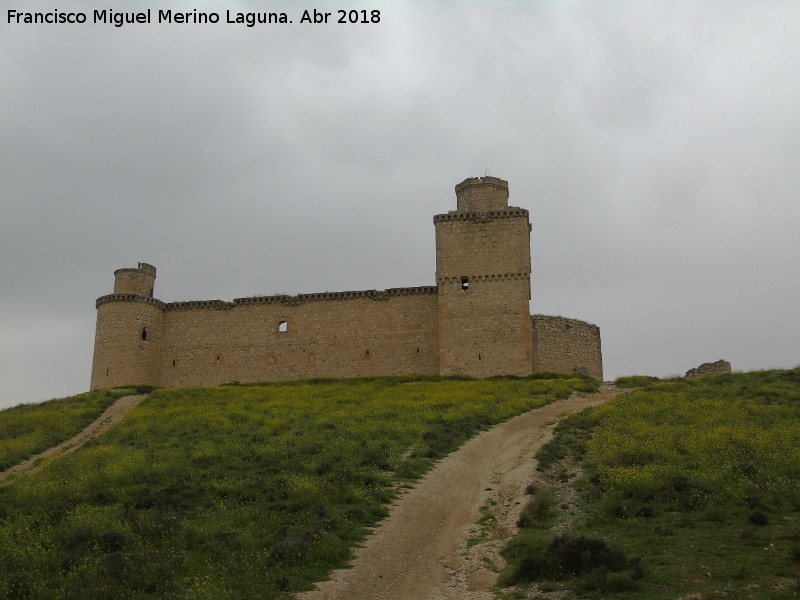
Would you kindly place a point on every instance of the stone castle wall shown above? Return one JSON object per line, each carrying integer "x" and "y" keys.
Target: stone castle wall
{"x": 326, "y": 335}
{"x": 476, "y": 319}
{"x": 346, "y": 334}
{"x": 483, "y": 343}
{"x": 565, "y": 345}
{"x": 715, "y": 368}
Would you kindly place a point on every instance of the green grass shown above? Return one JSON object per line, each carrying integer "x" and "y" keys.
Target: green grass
{"x": 28, "y": 429}
{"x": 635, "y": 381}
{"x": 700, "y": 479}
{"x": 241, "y": 491}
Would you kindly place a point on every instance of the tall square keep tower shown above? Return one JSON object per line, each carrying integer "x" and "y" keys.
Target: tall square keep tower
{"x": 483, "y": 268}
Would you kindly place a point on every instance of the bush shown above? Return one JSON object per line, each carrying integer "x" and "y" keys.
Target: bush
{"x": 684, "y": 493}
{"x": 538, "y": 511}
{"x": 564, "y": 557}
{"x": 795, "y": 553}
{"x": 576, "y": 555}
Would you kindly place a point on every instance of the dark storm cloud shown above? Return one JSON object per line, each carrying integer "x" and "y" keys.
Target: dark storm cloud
{"x": 654, "y": 143}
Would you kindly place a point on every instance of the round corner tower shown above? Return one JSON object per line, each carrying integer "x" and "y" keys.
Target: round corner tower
{"x": 138, "y": 281}
{"x": 129, "y": 333}
{"x": 483, "y": 267}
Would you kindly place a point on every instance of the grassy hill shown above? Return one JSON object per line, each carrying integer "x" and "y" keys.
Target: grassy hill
{"x": 28, "y": 429}
{"x": 229, "y": 492}
{"x": 680, "y": 489}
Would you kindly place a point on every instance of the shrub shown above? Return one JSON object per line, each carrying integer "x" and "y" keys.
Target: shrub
{"x": 575, "y": 555}
{"x": 795, "y": 552}
{"x": 564, "y": 557}
{"x": 684, "y": 493}
{"x": 538, "y": 511}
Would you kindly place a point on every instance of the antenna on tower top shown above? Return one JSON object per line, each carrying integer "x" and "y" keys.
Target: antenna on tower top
{"x": 487, "y": 173}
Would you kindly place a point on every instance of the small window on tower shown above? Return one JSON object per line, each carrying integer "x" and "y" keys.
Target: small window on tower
{"x": 144, "y": 334}
{"x": 283, "y": 327}
{"x": 151, "y": 292}
{"x": 465, "y": 283}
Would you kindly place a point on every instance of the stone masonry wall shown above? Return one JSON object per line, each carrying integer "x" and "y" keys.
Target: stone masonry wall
{"x": 715, "y": 368}
{"x": 348, "y": 334}
{"x": 487, "y": 327}
{"x": 482, "y": 194}
{"x": 564, "y": 345}
{"x": 135, "y": 281}
{"x": 121, "y": 356}
{"x": 472, "y": 244}
{"x": 476, "y": 319}
{"x": 483, "y": 274}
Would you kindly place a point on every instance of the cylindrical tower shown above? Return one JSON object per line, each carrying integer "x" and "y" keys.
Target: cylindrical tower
{"x": 137, "y": 281}
{"x": 129, "y": 333}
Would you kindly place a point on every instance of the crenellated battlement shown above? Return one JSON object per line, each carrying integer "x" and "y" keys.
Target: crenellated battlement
{"x": 143, "y": 268}
{"x": 481, "y": 217}
{"x": 335, "y": 296}
{"x": 190, "y": 304}
{"x": 472, "y": 278}
{"x": 129, "y": 298}
{"x": 475, "y": 320}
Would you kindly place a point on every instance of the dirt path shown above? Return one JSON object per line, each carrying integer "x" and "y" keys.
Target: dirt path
{"x": 421, "y": 551}
{"x": 110, "y": 416}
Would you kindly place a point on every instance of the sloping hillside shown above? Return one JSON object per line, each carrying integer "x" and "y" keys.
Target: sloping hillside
{"x": 28, "y": 429}
{"x": 681, "y": 489}
{"x": 238, "y": 491}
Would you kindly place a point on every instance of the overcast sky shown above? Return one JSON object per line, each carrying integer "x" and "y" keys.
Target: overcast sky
{"x": 656, "y": 145}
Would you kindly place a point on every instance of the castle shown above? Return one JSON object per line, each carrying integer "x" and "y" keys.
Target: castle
{"x": 475, "y": 321}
